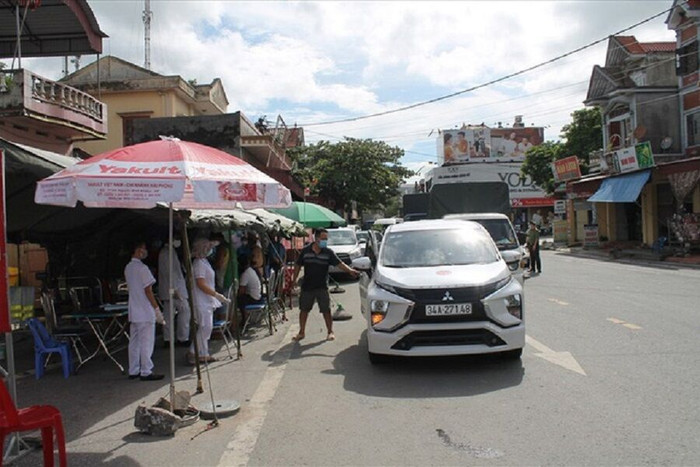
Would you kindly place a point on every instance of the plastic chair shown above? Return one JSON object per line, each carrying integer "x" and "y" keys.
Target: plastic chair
{"x": 37, "y": 417}
{"x": 73, "y": 334}
{"x": 224, "y": 325}
{"x": 45, "y": 345}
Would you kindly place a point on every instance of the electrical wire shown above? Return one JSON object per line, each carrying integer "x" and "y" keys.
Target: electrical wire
{"x": 492, "y": 82}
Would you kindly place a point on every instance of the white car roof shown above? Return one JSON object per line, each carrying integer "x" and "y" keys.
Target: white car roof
{"x": 473, "y": 216}
{"x": 432, "y": 224}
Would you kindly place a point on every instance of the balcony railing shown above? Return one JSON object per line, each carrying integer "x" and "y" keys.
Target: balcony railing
{"x": 25, "y": 93}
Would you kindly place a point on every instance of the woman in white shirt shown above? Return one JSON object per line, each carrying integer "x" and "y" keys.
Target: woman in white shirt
{"x": 206, "y": 298}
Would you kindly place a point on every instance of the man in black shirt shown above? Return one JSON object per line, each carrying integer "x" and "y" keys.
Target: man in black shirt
{"x": 316, "y": 258}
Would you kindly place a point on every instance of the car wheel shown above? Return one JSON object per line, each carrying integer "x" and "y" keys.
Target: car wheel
{"x": 377, "y": 359}
{"x": 512, "y": 354}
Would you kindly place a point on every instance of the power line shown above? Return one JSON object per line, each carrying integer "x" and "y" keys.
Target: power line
{"x": 489, "y": 83}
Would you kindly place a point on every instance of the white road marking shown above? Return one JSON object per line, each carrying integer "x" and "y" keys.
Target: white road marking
{"x": 558, "y": 302}
{"x": 244, "y": 439}
{"x": 563, "y": 359}
{"x": 615, "y": 320}
{"x": 632, "y": 326}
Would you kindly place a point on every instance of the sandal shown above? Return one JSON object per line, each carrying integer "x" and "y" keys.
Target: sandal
{"x": 330, "y": 337}
{"x": 298, "y": 337}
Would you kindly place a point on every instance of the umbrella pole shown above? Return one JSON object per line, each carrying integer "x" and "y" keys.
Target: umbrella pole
{"x": 190, "y": 292}
{"x": 171, "y": 312}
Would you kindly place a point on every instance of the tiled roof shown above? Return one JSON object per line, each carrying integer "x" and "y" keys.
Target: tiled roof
{"x": 634, "y": 47}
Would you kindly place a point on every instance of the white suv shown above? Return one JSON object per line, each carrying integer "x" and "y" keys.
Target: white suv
{"x": 344, "y": 243}
{"x": 440, "y": 287}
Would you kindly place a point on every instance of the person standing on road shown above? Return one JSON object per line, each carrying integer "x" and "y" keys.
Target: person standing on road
{"x": 144, "y": 313}
{"x": 316, "y": 258}
{"x": 180, "y": 295}
{"x": 533, "y": 246}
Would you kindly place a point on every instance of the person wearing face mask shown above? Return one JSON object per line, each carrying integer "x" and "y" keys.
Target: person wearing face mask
{"x": 144, "y": 313}
{"x": 316, "y": 258}
{"x": 206, "y": 298}
{"x": 180, "y": 295}
{"x": 256, "y": 254}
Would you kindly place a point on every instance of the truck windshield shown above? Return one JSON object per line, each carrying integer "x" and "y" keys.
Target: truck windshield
{"x": 441, "y": 247}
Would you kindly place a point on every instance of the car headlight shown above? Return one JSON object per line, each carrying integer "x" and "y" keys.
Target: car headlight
{"x": 513, "y": 265}
{"x": 377, "y": 310}
{"x": 514, "y": 304}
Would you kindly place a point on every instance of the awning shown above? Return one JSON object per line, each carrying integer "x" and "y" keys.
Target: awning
{"x": 622, "y": 189}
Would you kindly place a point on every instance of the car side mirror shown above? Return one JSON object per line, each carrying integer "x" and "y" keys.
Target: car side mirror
{"x": 362, "y": 264}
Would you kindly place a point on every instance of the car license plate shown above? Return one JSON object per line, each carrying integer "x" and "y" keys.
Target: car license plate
{"x": 448, "y": 309}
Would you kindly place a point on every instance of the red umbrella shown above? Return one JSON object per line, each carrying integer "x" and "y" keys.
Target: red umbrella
{"x": 183, "y": 174}
{"x": 189, "y": 175}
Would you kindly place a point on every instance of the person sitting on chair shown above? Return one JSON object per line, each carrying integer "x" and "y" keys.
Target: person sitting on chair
{"x": 249, "y": 287}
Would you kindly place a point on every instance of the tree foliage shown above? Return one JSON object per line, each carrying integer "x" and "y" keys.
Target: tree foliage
{"x": 538, "y": 164}
{"x": 361, "y": 170}
{"x": 581, "y": 137}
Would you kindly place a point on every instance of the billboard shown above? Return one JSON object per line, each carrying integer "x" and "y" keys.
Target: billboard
{"x": 633, "y": 157}
{"x": 566, "y": 169}
{"x": 523, "y": 191}
{"x": 484, "y": 144}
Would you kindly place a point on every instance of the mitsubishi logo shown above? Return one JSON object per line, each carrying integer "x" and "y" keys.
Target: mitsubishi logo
{"x": 448, "y": 297}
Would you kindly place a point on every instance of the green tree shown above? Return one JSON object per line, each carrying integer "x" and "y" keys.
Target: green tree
{"x": 361, "y": 170}
{"x": 581, "y": 137}
{"x": 538, "y": 164}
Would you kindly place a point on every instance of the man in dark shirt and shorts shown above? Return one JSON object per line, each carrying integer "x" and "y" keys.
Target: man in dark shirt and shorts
{"x": 316, "y": 258}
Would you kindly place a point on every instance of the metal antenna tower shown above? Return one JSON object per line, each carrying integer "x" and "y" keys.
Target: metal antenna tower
{"x": 147, "y": 15}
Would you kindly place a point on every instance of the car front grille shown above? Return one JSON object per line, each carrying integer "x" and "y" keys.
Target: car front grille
{"x": 422, "y": 297}
{"x": 448, "y": 338}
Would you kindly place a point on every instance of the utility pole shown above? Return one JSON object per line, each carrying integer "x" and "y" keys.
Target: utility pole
{"x": 147, "y": 15}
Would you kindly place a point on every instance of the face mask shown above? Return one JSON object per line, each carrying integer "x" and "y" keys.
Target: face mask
{"x": 176, "y": 243}
{"x": 210, "y": 252}
{"x": 323, "y": 243}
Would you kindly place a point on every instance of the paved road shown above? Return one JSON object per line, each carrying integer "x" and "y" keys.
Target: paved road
{"x": 608, "y": 378}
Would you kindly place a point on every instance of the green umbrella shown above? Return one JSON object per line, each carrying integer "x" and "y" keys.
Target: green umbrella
{"x": 311, "y": 215}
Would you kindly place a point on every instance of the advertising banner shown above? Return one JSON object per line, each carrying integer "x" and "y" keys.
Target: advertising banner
{"x": 590, "y": 235}
{"x": 633, "y": 158}
{"x": 645, "y": 158}
{"x": 560, "y": 206}
{"x": 484, "y": 144}
{"x": 523, "y": 191}
{"x": 560, "y": 231}
{"x": 625, "y": 159}
{"x": 566, "y": 169}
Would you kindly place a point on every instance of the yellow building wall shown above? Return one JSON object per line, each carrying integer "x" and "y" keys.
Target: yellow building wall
{"x": 152, "y": 103}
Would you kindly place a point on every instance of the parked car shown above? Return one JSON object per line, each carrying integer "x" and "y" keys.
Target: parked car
{"x": 504, "y": 235}
{"x": 440, "y": 287}
{"x": 344, "y": 242}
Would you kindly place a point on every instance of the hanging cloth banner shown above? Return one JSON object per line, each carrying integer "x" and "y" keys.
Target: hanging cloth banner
{"x": 682, "y": 184}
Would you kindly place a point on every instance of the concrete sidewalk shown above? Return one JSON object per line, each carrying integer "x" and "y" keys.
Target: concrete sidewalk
{"x": 631, "y": 255}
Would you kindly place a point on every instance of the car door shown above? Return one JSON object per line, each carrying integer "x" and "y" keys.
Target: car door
{"x": 372, "y": 252}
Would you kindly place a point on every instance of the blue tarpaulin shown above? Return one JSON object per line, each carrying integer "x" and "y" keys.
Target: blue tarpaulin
{"x": 622, "y": 189}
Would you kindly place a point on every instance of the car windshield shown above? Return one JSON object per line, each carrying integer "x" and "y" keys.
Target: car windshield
{"x": 439, "y": 247}
{"x": 362, "y": 236}
{"x": 501, "y": 232}
{"x": 341, "y": 237}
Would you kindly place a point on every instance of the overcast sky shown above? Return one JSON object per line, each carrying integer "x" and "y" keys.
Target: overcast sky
{"x": 315, "y": 62}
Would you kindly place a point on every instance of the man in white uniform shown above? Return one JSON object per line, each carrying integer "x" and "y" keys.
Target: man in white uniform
{"x": 182, "y": 307}
{"x": 143, "y": 315}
